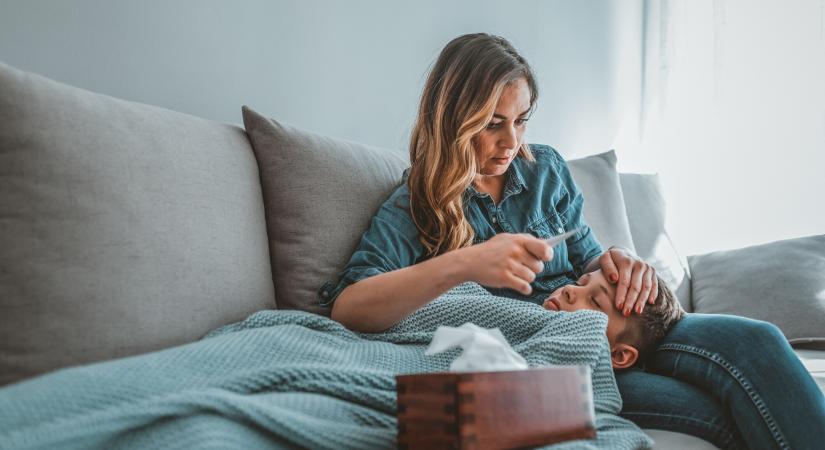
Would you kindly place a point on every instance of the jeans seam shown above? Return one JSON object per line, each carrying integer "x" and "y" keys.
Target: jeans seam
{"x": 716, "y": 429}
{"x": 743, "y": 383}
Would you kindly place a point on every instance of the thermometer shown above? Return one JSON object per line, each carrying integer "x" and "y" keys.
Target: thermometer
{"x": 556, "y": 240}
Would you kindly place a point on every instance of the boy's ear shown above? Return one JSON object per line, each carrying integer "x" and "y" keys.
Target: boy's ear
{"x": 623, "y": 356}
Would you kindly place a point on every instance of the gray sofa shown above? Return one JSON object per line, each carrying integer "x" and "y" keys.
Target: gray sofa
{"x": 126, "y": 228}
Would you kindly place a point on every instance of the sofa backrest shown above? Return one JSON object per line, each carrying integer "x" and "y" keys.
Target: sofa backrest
{"x": 644, "y": 202}
{"x": 124, "y": 228}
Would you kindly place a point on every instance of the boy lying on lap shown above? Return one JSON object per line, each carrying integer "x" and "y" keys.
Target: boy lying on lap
{"x": 633, "y": 338}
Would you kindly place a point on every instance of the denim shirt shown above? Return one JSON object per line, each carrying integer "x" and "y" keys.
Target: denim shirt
{"x": 539, "y": 198}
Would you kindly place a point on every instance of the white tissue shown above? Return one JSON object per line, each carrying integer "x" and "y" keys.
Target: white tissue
{"x": 484, "y": 349}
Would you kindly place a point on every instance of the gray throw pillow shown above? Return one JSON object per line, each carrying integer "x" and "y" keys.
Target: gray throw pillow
{"x": 646, "y": 212}
{"x": 320, "y": 194}
{"x": 604, "y": 209}
{"x": 124, "y": 228}
{"x": 782, "y": 282}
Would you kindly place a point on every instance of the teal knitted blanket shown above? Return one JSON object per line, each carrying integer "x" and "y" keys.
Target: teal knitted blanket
{"x": 289, "y": 379}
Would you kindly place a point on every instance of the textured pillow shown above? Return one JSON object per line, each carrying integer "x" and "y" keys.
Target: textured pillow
{"x": 646, "y": 213}
{"x": 782, "y": 282}
{"x": 320, "y": 194}
{"x": 124, "y": 228}
{"x": 604, "y": 209}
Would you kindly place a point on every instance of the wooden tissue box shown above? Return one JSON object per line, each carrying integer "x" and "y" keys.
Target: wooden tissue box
{"x": 495, "y": 410}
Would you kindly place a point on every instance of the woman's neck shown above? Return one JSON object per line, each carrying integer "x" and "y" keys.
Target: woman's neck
{"x": 490, "y": 184}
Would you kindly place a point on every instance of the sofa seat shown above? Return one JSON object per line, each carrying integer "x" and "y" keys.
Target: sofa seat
{"x": 814, "y": 361}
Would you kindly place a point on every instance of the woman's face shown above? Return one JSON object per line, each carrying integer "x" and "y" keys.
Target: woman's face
{"x": 498, "y": 144}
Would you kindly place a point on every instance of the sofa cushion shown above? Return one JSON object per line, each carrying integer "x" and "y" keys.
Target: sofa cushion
{"x": 646, "y": 213}
{"x": 781, "y": 282}
{"x": 604, "y": 209}
{"x": 320, "y": 194}
{"x": 664, "y": 439}
{"x": 124, "y": 228}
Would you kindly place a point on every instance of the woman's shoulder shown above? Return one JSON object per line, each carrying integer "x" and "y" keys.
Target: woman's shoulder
{"x": 548, "y": 164}
{"x": 546, "y": 155}
{"x": 549, "y": 173}
{"x": 397, "y": 203}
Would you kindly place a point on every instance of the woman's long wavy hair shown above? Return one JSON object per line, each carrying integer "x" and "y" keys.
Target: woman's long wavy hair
{"x": 458, "y": 101}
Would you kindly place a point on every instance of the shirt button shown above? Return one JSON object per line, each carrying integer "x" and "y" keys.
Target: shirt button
{"x": 560, "y": 230}
{"x": 494, "y": 220}
{"x": 325, "y": 294}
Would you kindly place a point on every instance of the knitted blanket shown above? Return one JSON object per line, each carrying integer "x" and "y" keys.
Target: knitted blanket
{"x": 290, "y": 379}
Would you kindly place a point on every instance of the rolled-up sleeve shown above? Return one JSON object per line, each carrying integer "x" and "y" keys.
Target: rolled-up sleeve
{"x": 583, "y": 246}
{"x": 390, "y": 243}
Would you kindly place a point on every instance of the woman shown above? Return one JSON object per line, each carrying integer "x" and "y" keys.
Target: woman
{"x": 475, "y": 205}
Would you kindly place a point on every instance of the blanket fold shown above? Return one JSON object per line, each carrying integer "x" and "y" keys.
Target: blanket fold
{"x": 290, "y": 379}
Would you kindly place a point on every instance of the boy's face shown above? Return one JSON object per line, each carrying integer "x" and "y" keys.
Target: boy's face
{"x": 593, "y": 291}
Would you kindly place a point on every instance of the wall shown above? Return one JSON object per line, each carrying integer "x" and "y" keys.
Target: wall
{"x": 734, "y": 118}
{"x": 350, "y": 69}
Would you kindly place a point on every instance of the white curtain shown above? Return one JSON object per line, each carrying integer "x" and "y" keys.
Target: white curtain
{"x": 732, "y": 114}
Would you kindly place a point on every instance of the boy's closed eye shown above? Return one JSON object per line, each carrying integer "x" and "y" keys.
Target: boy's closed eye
{"x": 581, "y": 282}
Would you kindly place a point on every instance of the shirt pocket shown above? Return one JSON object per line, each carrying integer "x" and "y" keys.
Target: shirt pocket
{"x": 545, "y": 229}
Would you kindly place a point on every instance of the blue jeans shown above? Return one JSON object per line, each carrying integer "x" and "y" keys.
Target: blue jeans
{"x": 732, "y": 381}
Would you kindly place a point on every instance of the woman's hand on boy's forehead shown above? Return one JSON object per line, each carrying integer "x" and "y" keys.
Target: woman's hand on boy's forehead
{"x": 635, "y": 279}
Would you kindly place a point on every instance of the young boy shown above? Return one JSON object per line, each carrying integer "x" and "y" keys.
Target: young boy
{"x": 632, "y": 338}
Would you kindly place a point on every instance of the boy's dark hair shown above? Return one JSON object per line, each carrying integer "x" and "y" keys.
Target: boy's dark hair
{"x": 646, "y": 330}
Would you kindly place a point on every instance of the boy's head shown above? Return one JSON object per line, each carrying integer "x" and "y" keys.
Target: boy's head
{"x": 631, "y": 338}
